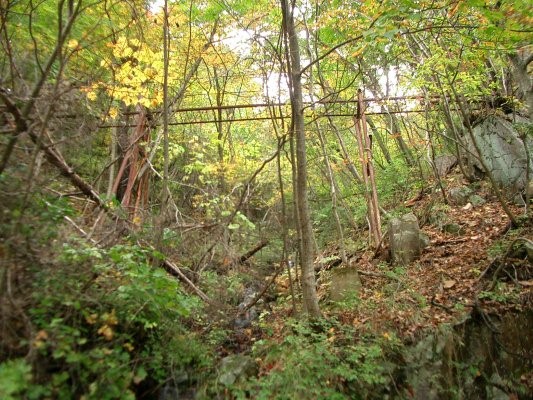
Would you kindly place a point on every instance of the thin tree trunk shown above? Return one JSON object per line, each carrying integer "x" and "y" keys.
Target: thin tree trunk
{"x": 394, "y": 123}
{"x": 379, "y": 140}
{"x": 27, "y": 108}
{"x": 329, "y": 171}
{"x": 112, "y": 167}
{"x": 310, "y": 297}
{"x": 164, "y": 187}
{"x": 431, "y": 150}
{"x": 295, "y": 207}
{"x": 333, "y": 193}
{"x": 285, "y": 232}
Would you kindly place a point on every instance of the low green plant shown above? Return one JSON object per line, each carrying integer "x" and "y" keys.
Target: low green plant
{"x": 15, "y": 377}
{"x": 319, "y": 360}
{"x": 105, "y": 321}
{"x": 502, "y": 293}
{"x": 351, "y": 301}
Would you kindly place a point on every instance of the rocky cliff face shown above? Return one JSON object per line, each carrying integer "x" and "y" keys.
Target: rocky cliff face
{"x": 502, "y": 149}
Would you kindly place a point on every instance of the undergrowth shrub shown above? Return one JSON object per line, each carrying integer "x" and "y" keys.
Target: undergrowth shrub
{"x": 107, "y": 324}
{"x": 327, "y": 362}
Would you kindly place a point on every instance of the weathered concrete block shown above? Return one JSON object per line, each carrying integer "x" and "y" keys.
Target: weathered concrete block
{"x": 406, "y": 239}
{"x": 345, "y": 282}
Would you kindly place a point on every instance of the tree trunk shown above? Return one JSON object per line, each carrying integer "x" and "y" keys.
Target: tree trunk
{"x": 310, "y": 298}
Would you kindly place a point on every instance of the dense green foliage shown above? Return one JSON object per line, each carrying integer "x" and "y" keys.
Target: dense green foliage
{"x": 103, "y": 321}
{"x": 349, "y": 367}
{"x": 113, "y": 287}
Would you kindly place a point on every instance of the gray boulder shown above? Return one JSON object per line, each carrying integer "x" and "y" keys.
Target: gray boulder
{"x": 463, "y": 195}
{"x": 246, "y": 314}
{"x": 476, "y": 200}
{"x": 459, "y": 196}
{"x": 444, "y": 164}
{"x": 453, "y": 228}
{"x": 502, "y": 151}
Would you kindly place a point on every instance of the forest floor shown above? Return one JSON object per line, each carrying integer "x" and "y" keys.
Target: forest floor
{"x": 454, "y": 275}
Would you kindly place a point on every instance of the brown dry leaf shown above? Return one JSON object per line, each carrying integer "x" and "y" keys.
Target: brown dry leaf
{"x": 41, "y": 335}
{"x": 448, "y": 284}
{"x": 40, "y": 339}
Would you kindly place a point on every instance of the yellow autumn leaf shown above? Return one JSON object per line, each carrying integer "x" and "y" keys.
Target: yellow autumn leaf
{"x": 91, "y": 96}
{"x": 149, "y": 72}
{"x": 128, "y": 346}
{"x": 127, "y": 52}
{"x": 72, "y": 44}
{"x": 110, "y": 318}
{"x": 106, "y": 331}
{"x": 91, "y": 319}
{"x": 359, "y": 52}
{"x": 113, "y": 112}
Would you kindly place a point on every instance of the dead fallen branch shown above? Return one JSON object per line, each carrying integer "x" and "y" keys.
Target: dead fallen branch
{"x": 252, "y": 251}
{"x": 449, "y": 241}
{"x": 175, "y": 270}
{"x": 263, "y": 291}
{"x": 501, "y": 262}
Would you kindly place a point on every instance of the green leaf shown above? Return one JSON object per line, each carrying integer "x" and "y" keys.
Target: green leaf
{"x": 15, "y": 376}
{"x": 140, "y": 375}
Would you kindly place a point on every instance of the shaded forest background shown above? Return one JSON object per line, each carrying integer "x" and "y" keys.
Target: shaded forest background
{"x": 171, "y": 173}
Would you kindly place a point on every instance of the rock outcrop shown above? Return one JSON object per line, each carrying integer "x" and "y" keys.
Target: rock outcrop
{"x": 502, "y": 151}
